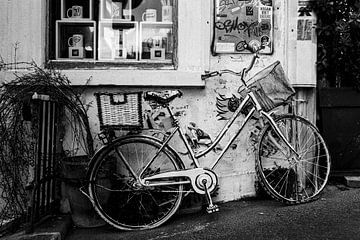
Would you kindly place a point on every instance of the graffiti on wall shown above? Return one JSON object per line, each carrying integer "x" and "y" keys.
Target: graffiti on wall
{"x": 226, "y": 106}
{"x": 156, "y": 117}
{"x": 240, "y": 22}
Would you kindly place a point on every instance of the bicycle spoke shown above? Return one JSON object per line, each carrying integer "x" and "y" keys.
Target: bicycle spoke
{"x": 322, "y": 179}
{"x": 272, "y": 146}
{"x": 307, "y": 149}
{"x": 306, "y": 141}
{"x": 273, "y": 171}
{"x": 281, "y": 178}
{"x": 313, "y": 184}
{"x": 308, "y": 160}
{"x": 137, "y": 157}
{"x": 287, "y": 175}
{"x": 277, "y": 158}
{"x": 300, "y": 134}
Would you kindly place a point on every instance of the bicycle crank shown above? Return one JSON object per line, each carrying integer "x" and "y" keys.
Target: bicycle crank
{"x": 205, "y": 182}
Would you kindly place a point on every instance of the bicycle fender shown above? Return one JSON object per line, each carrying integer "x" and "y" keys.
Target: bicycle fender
{"x": 101, "y": 150}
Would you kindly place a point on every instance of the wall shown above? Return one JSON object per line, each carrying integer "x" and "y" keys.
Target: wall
{"x": 18, "y": 23}
{"x": 22, "y": 26}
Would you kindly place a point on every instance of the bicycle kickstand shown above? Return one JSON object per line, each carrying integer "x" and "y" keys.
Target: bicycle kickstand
{"x": 212, "y": 207}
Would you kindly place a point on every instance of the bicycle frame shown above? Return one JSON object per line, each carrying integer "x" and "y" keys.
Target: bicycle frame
{"x": 192, "y": 173}
{"x": 195, "y": 156}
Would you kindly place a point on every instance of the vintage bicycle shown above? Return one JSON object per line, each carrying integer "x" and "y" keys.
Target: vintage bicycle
{"x": 137, "y": 182}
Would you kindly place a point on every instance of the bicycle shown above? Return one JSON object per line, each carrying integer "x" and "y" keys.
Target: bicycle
{"x": 138, "y": 182}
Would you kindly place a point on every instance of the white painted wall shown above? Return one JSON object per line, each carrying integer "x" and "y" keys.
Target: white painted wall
{"x": 24, "y": 21}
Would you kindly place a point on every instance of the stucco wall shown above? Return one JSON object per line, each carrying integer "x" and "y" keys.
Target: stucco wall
{"x": 24, "y": 22}
{"x": 236, "y": 169}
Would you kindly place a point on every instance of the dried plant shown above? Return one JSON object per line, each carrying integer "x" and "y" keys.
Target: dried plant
{"x": 18, "y": 137}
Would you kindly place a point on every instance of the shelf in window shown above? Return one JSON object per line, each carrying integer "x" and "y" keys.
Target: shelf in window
{"x": 122, "y": 22}
{"x": 156, "y": 24}
{"x": 156, "y": 39}
{"x": 77, "y": 10}
{"x": 115, "y": 10}
{"x": 75, "y": 40}
{"x": 118, "y": 40}
{"x": 75, "y": 21}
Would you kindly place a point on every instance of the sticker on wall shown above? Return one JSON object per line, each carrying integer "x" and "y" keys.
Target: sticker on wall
{"x": 239, "y": 22}
{"x": 305, "y": 21}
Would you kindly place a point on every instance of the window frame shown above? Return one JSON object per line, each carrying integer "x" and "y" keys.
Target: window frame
{"x": 96, "y": 64}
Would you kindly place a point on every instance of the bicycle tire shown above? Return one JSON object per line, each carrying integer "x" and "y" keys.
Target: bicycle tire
{"x": 287, "y": 178}
{"x": 120, "y": 199}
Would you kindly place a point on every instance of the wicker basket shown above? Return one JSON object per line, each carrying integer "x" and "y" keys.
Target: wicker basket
{"x": 270, "y": 86}
{"x": 120, "y": 110}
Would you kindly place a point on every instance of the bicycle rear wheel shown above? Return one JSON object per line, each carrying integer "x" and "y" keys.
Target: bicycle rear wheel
{"x": 118, "y": 196}
{"x": 286, "y": 177}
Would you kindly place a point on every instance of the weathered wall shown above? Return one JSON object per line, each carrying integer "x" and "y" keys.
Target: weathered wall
{"x": 22, "y": 27}
{"x": 24, "y": 21}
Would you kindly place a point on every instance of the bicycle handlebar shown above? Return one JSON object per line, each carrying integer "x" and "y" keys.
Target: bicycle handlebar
{"x": 253, "y": 49}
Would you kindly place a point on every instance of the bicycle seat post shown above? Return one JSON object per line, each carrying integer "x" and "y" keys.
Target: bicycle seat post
{"x": 173, "y": 118}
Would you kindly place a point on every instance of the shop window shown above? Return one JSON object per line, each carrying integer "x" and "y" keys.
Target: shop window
{"x": 117, "y": 32}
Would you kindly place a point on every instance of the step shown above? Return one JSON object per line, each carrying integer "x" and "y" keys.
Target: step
{"x": 352, "y": 181}
{"x": 53, "y": 228}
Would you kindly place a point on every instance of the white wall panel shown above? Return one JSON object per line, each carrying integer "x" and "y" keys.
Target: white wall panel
{"x": 22, "y": 25}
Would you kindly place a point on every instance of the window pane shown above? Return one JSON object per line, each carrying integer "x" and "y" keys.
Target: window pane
{"x": 75, "y": 40}
{"x": 118, "y": 40}
{"x": 113, "y": 30}
{"x": 156, "y": 40}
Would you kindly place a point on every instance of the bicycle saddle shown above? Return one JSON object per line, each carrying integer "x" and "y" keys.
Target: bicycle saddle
{"x": 162, "y": 97}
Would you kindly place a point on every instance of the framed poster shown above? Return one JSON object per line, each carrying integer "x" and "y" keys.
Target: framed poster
{"x": 241, "y": 22}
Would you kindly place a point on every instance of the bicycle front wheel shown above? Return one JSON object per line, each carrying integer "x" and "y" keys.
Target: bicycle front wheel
{"x": 118, "y": 196}
{"x": 286, "y": 176}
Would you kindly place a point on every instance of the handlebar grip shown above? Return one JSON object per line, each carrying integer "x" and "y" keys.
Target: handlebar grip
{"x": 209, "y": 75}
{"x": 179, "y": 94}
{"x": 254, "y": 48}
{"x": 205, "y": 76}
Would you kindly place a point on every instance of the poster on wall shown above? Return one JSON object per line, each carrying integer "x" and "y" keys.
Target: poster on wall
{"x": 241, "y": 22}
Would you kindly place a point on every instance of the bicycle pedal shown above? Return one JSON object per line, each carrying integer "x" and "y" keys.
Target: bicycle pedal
{"x": 212, "y": 209}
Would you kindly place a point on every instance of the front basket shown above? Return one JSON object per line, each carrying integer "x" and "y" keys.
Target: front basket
{"x": 270, "y": 86}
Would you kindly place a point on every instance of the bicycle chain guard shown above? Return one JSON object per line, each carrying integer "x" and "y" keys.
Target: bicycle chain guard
{"x": 196, "y": 177}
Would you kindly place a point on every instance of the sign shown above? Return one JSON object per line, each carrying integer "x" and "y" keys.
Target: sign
{"x": 241, "y": 22}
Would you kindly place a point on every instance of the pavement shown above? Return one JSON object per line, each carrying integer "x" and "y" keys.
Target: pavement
{"x": 336, "y": 215}
{"x": 50, "y": 228}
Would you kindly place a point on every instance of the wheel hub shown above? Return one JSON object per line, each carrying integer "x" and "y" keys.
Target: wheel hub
{"x": 293, "y": 161}
{"x": 135, "y": 185}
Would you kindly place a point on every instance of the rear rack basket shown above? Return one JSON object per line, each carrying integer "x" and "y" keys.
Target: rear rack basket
{"x": 120, "y": 111}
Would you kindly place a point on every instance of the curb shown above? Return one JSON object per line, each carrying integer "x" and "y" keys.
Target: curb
{"x": 53, "y": 228}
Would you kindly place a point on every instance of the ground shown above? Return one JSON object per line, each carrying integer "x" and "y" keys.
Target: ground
{"x": 336, "y": 215}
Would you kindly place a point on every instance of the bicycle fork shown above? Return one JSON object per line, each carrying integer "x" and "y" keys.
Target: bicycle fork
{"x": 279, "y": 133}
